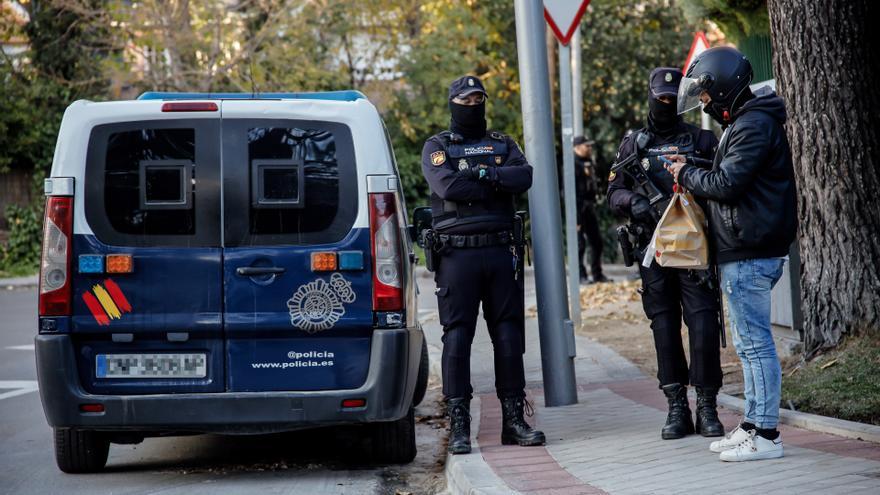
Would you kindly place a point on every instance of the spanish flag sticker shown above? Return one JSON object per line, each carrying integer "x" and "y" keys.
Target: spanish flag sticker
{"x": 106, "y": 302}
{"x": 611, "y": 176}
{"x": 438, "y": 158}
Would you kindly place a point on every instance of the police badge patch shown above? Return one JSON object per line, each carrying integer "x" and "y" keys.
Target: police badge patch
{"x": 462, "y": 164}
{"x": 646, "y": 164}
{"x": 497, "y": 160}
{"x": 438, "y": 158}
{"x": 612, "y": 176}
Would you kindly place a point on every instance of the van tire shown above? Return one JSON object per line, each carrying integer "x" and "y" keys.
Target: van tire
{"x": 422, "y": 380}
{"x": 80, "y": 451}
{"x": 394, "y": 442}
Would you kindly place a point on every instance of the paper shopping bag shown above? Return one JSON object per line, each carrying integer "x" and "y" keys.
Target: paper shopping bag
{"x": 679, "y": 240}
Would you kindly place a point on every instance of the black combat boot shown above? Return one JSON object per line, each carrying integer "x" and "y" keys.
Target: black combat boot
{"x": 459, "y": 411}
{"x": 678, "y": 422}
{"x": 514, "y": 429}
{"x": 708, "y": 423}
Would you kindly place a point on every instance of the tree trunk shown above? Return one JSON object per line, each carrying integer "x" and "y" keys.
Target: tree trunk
{"x": 825, "y": 58}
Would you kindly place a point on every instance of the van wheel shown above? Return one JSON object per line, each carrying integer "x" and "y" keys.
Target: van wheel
{"x": 394, "y": 442}
{"x": 78, "y": 451}
{"x": 422, "y": 380}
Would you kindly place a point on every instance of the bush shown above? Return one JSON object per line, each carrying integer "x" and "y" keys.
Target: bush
{"x": 21, "y": 254}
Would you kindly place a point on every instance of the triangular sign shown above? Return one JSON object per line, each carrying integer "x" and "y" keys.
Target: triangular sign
{"x": 564, "y": 17}
{"x": 699, "y": 45}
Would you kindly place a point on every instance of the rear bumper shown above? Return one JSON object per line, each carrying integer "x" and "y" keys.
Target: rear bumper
{"x": 388, "y": 390}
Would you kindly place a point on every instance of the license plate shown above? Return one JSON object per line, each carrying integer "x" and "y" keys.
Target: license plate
{"x": 151, "y": 366}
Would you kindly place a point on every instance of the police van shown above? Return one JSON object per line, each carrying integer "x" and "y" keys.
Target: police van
{"x": 226, "y": 263}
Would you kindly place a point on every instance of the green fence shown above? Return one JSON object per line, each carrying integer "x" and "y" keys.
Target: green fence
{"x": 760, "y": 53}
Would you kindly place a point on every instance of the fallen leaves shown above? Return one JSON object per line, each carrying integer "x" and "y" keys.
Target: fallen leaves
{"x": 595, "y": 296}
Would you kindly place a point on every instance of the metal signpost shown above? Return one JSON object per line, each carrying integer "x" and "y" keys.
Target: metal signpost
{"x": 556, "y": 332}
{"x": 571, "y": 242}
{"x": 564, "y": 16}
{"x": 577, "y": 86}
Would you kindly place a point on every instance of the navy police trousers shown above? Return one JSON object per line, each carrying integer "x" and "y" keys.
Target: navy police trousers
{"x": 465, "y": 278}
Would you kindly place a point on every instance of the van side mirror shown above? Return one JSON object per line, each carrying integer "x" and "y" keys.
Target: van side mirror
{"x": 422, "y": 220}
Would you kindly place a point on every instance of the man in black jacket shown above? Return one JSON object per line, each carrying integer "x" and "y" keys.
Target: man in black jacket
{"x": 753, "y": 221}
{"x": 668, "y": 294}
{"x": 586, "y": 174}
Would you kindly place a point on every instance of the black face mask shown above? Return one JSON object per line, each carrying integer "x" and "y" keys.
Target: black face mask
{"x": 716, "y": 112}
{"x": 662, "y": 117}
{"x": 468, "y": 120}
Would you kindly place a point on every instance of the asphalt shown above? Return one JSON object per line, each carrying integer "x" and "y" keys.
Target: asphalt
{"x": 328, "y": 461}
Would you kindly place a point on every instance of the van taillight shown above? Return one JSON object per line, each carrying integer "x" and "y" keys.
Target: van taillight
{"x": 385, "y": 235}
{"x": 55, "y": 260}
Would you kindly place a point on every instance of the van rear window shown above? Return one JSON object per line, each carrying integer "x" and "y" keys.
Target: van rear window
{"x": 148, "y": 183}
{"x": 302, "y": 182}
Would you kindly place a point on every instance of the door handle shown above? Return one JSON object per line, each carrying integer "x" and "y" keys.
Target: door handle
{"x": 250, "y": 271}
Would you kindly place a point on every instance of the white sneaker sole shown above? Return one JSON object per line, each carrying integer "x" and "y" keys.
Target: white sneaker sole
{"x": 776, "y": 454}
{"x": 719, "y": 450}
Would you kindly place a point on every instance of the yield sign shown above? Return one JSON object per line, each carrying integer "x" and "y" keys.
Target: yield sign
{"x": 699, "y": 45}
{"x": 564, "y": 17}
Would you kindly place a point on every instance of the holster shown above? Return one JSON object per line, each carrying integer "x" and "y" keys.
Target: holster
{"x": 432, "y": 255}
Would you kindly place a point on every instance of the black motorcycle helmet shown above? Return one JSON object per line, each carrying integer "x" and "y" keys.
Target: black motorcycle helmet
{"x": 722, "y": 72}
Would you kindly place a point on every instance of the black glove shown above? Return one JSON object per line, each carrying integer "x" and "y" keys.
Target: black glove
{"x": 478, "y": 173}
{"x": 640, "y": 209}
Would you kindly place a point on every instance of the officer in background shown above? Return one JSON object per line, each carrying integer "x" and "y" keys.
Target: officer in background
{"x": 641, "y": 191}
{"x": 475, "y": 248}
{"x": 586, "y": 173}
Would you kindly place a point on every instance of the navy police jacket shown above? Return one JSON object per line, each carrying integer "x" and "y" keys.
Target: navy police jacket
{"x": 462, "y": 204}
{"x": 697, "y": 144}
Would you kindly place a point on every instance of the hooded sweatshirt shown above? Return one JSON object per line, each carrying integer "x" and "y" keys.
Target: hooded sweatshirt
{"x": 751, "y": 186}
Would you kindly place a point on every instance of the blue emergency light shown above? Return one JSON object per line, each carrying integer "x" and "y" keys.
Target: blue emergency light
{"x": 91, "y": 263}
{"x": 351, "y": 260}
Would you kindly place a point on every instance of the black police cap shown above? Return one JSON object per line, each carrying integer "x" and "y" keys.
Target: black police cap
{"x": 664, "y": 81}
{"x": 582, "y": 140}
{"x": 466, "y": 85}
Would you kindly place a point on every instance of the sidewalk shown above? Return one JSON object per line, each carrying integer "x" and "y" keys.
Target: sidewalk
{"x": 609, "y": 442}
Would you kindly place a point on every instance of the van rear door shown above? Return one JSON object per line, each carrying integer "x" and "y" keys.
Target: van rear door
{"x": 147, "y": 266}
{"x": 296, "y": 278}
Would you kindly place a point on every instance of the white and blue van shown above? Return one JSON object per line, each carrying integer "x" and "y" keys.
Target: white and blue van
{"x": 226, "y": 263}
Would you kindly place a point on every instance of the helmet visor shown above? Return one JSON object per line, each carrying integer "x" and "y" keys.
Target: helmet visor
{"x": 688, "y": 94}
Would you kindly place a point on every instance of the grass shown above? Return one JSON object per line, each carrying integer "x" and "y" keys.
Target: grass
{"x": 843, "y": 383}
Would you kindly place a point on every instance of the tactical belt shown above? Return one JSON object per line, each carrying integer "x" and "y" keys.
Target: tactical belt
{"x": 476, "y": 240}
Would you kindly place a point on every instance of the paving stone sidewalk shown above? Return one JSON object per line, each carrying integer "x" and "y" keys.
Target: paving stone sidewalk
{"x": 609, "y": 442}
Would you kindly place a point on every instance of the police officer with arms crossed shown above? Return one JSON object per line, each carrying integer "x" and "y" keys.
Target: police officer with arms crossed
{"x": 640, "y": 188}
{"x": 753, "y": 221}
{"x": 476, "y": 248}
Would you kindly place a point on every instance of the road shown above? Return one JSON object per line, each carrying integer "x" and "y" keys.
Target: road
{"x": 328, "y": 461}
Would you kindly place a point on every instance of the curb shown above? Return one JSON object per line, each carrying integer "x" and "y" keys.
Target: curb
{"x": 814, "y": 422}
{"x": 15, "y": 282}
{"x": 469, "y": 474}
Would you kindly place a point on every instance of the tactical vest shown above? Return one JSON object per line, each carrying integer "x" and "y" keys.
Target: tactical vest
{"x": 498, "y": 207}
{"x": 649, "y": 159}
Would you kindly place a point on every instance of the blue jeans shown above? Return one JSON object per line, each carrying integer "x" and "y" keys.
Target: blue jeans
{"x": 747, "y": 285}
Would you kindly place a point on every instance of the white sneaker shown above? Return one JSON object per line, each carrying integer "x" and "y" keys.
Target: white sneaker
{"x": 754, "y": 448}
{"x": 730, "y": 441}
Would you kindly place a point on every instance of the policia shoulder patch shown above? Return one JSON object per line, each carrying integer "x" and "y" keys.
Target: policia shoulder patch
{"x": 438, "y": 158}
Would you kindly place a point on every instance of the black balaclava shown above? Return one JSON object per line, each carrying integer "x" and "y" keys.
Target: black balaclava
{"x": 663, "y": 118}
{"x": 717, "y": 110}
{"x": 468, "y": 120}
